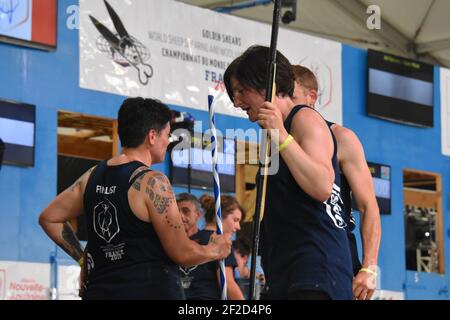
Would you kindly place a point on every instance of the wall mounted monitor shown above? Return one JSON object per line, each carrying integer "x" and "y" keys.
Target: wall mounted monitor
{"x": 200, "y": 174}
{"x": 381, "y": 176}
{"x": 17, "y": 130}
{"x": 400, "y": 89}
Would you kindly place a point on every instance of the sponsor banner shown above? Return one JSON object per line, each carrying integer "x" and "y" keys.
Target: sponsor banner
{"x": 32, "y": 281}
{"x": 68, "y": 282}
{"x": 178, "y": 53}
{"x": 24, "y": 281}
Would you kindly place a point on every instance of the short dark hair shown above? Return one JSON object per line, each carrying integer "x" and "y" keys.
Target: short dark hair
{"x": 305, "y": 77}
{"x": 229, "y": 72}
{"x": 243, "y": 246}
{"x": 137, "y": 116}
{"x": 190, "y": 198}
{"x": 250, "y": 69}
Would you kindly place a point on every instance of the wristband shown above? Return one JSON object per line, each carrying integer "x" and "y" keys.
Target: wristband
{"x": 368, "y": 271}
{"x": 285, "y": 144}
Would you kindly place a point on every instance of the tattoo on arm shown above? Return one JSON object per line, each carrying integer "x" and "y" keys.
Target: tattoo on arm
{"x": 71, "y": 243}
{"x": 160, "y": 192}
{"x": 137, "y": 184}
{"x": 212, "y": 240}
{"x": 161, "y": 195}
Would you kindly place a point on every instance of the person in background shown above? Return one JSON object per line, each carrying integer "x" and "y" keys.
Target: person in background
{"x": 191, "y": 210}
{"x": 242, "y": 249}
{"x": 357, "y": 182}
{"x": 202, "y": 282}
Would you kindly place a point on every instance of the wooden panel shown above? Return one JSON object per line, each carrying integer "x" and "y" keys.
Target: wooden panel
{"x": 420, "y": 198}
{"x": 440, "y": 225}
{"x": 80, "y": 121}
{"x": 252, "y": 153}
{"x": 249, "y": 205}
{"x": 83, "y": 148}
{"x": 240, "y": 152}
{"x": 247, "y": 153}
{"x": 240, "y": 183}
{"x": 415, "y": 178}
{"x": 250, "y": 173}
{"x": 429, "y": 199}
{"x": 115, "y": 138}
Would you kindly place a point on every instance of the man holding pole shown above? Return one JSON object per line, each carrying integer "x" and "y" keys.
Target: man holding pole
{"x": 305, "y": 248}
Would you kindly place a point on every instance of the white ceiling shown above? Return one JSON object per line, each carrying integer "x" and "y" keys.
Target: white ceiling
{"x": 418, "y": 29}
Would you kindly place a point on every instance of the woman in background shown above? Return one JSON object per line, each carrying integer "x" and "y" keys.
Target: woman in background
{"x": 202, "y": 282}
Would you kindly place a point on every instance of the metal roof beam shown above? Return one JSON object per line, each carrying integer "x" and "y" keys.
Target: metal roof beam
{"x": 217, "y": 4}
{"x": 426, "y": 47}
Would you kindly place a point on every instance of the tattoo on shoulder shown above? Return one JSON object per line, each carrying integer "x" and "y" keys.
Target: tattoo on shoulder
{"x": 160, "y": 192}
{"x": 137, "y": 171}
{"x": 76, "y": 184}
{"x": 137, "y": 183}
{"x": 80, "y": 179}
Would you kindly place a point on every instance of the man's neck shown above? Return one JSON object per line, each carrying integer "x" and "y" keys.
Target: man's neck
{"x": 133, "y": 154}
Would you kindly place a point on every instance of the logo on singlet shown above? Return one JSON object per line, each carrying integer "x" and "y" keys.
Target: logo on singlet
{"x": 334, "y": 206}
{"x": 106, "y": 225}
{"x": 186, "y": 280}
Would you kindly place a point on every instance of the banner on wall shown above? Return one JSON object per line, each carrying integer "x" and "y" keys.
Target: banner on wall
{"x": 31, "y": 281}
{"x": 445, "y": 111}
{"x": 178, "y": 53}
{"x": 29, "y": 22}
{"x": 24, "y": 281}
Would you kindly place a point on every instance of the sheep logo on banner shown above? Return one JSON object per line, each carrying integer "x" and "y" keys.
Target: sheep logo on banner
{"x": 122, "y": 48}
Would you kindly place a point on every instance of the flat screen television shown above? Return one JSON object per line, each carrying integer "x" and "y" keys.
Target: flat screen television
{"x": 200, "y": 174}
{"x": 30, "y": 23}
{"x": 17, "y": 130}
{"x": 381, "y": 176}
{"x": 400, "y": 89}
